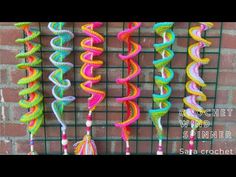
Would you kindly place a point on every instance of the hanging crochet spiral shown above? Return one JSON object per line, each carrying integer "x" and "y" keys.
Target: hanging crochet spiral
{"x": 167, "y": 74}
{"x": 32, "y": 96}
{"x": 195, "y": 82}
{"x": 87, "y": 145}
{"x": 61, "y": 85}
{"x": 133, "y": 92}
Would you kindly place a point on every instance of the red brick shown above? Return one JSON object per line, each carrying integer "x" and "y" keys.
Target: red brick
{"x": 16, "y": 75}
{"x": 229, "y": 25}
{"x": 4, "y": 111}
{"x": 173, "y": 132}
{"x": 115, "y": 92}
{"x": 216, "y": 25}
{"x": 225, "y": 145}
{"x": 143, "y": 147}
{"x": 55, "y": 148}
{"x": 225, "y": 78}
{"x": 3, "y": 76}
{"x": 145, "y": 59}
{"x": 81, "y": 130}
{"x": 222, "y": 97}
{"x": 113, "y": 116}
{"x": 144, "y": 132}
{"x": 99, "y": 131}
{"x": 110, "y": 147}
{"x": 5, "y": 147}
{"x": 146, "y": 42}
{"x": 181, "y": 42}
{"x": 8, "y": 57}
{"x": 118, "y": 147}
{"x": 115, "y": 24}
{"x": 179, "y": 60}
{"x": 203, "y": 146}
{"x": 213, "y": 61}
{"x": 227, "y": 117}
{"x": 13, "y": 96}
{"x": 8, "y": 37}
{"x": 214, "y": 43}
{"x": 181, "y": 25}
{"x": 113, "y": 131}
{"x": 147, "y": 24}
{"x": 178, "y": 76}
{"x": 234, "y": 96}
{"x": 228, "y": 41}
{"x": 17, "y": 112}
{"x": 101, "y": 147}
{"x": 145, "y": 100}
{"x": 219, "y": 127}
{"x": 113, "y": 42}
{"x": 173, "y": 147}
{"x": 144, "y": 117}
{"x": 11, "y": 129}
{"x": 232, "y": 129}
{"x": 49, "y": 132}
{"x": 209, "y": 76}
{"x": 45, "y": 58}
{"x": 146, "y": 92}
{"x": 22, "y": 146}
{"x": 46, "y": 42}
{"x": 7, "y": 24}
{"x": 228, "y": 61}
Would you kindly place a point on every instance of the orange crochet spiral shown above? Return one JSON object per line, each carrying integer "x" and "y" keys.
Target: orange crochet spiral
{"x": 87, "y": 145}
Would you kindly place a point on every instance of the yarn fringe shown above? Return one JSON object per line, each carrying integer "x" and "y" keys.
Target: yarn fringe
{"x": 85, "y": 147}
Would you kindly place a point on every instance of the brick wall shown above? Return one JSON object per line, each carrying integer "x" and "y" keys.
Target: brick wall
{"x": 13, "y": 135}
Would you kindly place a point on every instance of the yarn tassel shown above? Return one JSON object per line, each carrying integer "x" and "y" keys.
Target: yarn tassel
{"x": 85, "y": 147}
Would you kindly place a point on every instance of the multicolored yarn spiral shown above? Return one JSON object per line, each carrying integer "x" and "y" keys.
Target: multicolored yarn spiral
{"x": 61, "y": 85}
{"x": 165, "y": 32}
{"x": 87, "y": 145}
{"x": 195, "y": 82}
{"x": 32, "y": 96}
{"x": 132, "y": 91}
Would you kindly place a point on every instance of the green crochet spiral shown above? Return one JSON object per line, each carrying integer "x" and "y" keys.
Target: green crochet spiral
{"x": 167, "y": 74}
{"x": 32, "y": 98}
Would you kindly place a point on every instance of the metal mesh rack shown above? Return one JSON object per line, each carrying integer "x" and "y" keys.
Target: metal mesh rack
{"x": 106, "y": 136}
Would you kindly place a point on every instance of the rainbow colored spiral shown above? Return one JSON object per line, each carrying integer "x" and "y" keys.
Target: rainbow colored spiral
{"x": 166, "y": 75}
{"x": 32, "y": 96}
{"x": 57, "y": 77}
{"x": 133, "y": 92}
{"x": 87, "y": 145}
{"x": 195, "y": 82}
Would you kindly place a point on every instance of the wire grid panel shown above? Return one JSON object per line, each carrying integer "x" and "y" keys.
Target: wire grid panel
{"x": 143, "y": 137}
